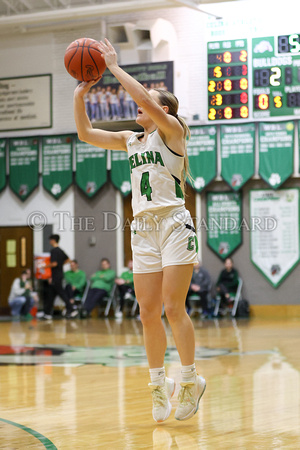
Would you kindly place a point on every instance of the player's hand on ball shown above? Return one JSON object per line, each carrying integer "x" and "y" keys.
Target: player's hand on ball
{"x": 84, "y": 87}
{"x": 109, "y": 53}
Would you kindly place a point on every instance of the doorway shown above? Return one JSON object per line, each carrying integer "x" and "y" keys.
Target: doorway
{"x": 16, "y": 254}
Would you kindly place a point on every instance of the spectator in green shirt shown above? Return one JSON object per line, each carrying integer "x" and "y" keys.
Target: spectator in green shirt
{"x": 75, "y": 281}
{"x": 125, "y": 287}
{"x": 101, "y": 285}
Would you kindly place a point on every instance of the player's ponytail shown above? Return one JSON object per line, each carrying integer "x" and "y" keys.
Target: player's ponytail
{"x": 187, "y": 136}
{"x": 168, "y": 99}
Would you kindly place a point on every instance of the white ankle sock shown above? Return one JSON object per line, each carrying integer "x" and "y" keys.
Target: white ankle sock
{"x": 188, "y": 373}
{"x": 157, "y": 375}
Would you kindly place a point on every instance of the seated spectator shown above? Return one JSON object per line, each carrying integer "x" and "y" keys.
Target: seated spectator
{"x": 227, "y": 283}
{"x": 33, "y": 293}
{"x": 20, "y": 298}
{"x": 101, "y": 285}
{"x": 76, "y": 281}
{"x": 125, "y": 287}
{"x": 200, "y": 286}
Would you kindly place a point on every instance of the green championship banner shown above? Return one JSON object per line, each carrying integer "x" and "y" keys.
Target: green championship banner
{"x": 274, "y": 234}
{"x": 202, "y": 153}
{"x": 23, "y": 166}
{"x": 2, "y": 164}
{"x": 120, "y": 172}
{"x": 276, "y": 152}
{"x": 91, "y": 173}
{"x": 57, "y": 164}
{"x": 237, "y": 154}
{"x": 224, "y": 219}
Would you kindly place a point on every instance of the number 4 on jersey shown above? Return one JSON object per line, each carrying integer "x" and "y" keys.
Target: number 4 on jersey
{"x": 146, "y": 189}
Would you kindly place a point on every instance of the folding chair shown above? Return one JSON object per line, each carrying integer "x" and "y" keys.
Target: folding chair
{"x": 194, "y": 304}
{"x": 134, "y": 307}
{"x": 110, "y": 300}
{"x": 129, "y": 298}
{"x": 194, "y": 301}
{"x": 236, "y": 300}
{"x": 237, "y": 297}
{"x": 84, "y": 295}
{"x": 80, "y": 299}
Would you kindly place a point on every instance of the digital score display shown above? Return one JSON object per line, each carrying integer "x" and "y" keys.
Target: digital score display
{"x": 228, "y": 94}
{"x": 276, "y": 76}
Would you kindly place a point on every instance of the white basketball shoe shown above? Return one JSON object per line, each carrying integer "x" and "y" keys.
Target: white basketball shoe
{"x": 161, "y": 399}
{"x": 189, "y": 397}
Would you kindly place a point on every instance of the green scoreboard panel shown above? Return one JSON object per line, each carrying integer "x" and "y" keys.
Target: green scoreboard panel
{"x": 269, "y": 86}
{"x": 276, "y": 76}
{"x": 228, "y": 80}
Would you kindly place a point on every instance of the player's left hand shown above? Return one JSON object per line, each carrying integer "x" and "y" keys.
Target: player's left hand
{"x": 109, "y": 53}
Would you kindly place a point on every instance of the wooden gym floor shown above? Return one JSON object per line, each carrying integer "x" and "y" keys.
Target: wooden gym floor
{"x": 82, "y": 384}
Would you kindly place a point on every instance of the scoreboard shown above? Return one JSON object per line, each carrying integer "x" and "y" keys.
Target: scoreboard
{"x": 228, "y": 80}
{"x": 254, "y": 81}
{"x": 276, "y": 76}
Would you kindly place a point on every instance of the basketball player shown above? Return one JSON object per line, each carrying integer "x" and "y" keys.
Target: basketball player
{"x": 164, "y": 242}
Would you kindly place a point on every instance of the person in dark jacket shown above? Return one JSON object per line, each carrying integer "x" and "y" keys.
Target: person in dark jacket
{"x": 57, "y": 260}
{"x": 227, "y": 282}
{"x": 200, "y": 286}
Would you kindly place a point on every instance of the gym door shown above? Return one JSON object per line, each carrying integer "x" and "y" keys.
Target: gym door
{"x": 16, "y": 254}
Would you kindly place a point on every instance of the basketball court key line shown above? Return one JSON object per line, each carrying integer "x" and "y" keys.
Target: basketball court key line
{"x": 45, "y": 441}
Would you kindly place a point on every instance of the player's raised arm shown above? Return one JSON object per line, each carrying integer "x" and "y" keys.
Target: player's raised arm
{"x": 161, "y": 116}
{"x": 105, "y": 139}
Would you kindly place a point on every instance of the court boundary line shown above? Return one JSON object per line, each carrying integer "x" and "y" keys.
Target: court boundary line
{"x": 43, "y": 439}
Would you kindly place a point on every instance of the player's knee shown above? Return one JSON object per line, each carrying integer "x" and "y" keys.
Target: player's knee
{"x": 149, "y": 315}
{"x": 173, "y": 311}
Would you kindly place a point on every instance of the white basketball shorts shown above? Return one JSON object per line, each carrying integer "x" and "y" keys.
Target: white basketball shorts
{"x": 160, "y": 240}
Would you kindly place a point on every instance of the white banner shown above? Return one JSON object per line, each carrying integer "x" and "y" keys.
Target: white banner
{"x": 275, "y": 232}
{"x": 26, "y": 102}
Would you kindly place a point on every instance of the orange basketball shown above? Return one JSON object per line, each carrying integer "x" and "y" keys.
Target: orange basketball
{"x": 84, "y": 60}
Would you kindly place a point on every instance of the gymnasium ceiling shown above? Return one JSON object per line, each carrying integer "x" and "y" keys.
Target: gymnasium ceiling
{"x": 28, "y": 15}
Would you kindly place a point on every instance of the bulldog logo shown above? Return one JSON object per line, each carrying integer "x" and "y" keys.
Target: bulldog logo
{"x": 23, "y": 190}
{"x": 275, "y": 269}
{"x": 262, "y": 47}
{"x": 90, "y": 187}
{"x": 236, "y": 180}
{"x": 223, "y": 248}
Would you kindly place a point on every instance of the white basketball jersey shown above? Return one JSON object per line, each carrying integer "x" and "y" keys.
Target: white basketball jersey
{"x": 156, "y": 173}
